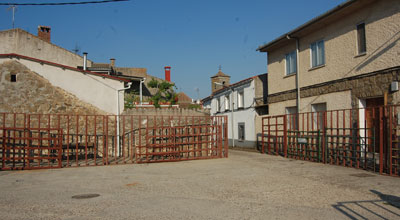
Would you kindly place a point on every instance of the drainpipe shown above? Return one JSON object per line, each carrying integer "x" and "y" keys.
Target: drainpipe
{"x": 118, "y": 113}
{"x": 141, "y": 91}
{"x": 232, "y": 126}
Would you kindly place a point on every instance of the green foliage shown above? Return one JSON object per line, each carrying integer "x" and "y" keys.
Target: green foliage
{"x": 194, "y": 106}
{"x": 164, "y": 94}
{"x": 130, "y": 99}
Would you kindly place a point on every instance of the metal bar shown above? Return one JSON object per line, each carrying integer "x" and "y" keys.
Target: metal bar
{"x": 86, "y": 141}
{"x": 76, "y": 141}
{"x": 95, "y": 140}
{"x": 381, "y": 140}
{"x": 390, "y": 140}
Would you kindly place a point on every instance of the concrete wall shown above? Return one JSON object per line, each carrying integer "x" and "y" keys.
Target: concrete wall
{"x": 21, "y": 42}
{"x": 95, "y": 90}
{"x": 382, "y": 25}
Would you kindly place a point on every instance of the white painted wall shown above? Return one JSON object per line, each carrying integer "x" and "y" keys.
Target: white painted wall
{"x": 96, "y": 90}
{"x": 246, "y": 115}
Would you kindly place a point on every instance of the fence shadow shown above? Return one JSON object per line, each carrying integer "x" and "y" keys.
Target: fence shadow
{"x": 387, "y": 207}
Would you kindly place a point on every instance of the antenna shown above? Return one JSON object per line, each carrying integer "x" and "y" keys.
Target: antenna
{"x": 77, "y": 49}
{"x": 220, "y": 67}
{"x": 13, "y": 8}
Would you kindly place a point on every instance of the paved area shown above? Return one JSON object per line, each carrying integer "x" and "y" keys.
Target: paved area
{"x": 246, "y": 185}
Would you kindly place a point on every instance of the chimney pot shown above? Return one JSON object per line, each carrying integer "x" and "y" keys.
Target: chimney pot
{"x": 167, "y": 73}
{"x": 85, "y": 60}
{"x": 44, "y": 33}
{"x": 112, "y": 62}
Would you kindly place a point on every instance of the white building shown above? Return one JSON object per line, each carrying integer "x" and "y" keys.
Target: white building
{"x": 240, "y": 102}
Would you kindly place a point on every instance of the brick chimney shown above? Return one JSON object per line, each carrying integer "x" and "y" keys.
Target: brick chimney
{"x": 167, "y": 73}
{"x": 44, "y": 33}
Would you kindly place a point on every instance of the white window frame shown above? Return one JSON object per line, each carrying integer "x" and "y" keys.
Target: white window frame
{"x": 227, "y": 102}
{"x": 318, "y": 114}
{"x": 319, "y": 57}
{"x": 358, "y": 39}
{"x": 241, "y": 99}
{"x": 241, "y": 132}
{"x": 288, "y": 57}
{"x": 292, "y": 115}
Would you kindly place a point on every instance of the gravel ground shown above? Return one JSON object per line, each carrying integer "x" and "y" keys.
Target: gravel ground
{"x": 246, "y": 185}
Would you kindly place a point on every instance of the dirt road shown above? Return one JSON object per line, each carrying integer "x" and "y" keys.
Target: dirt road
{"x": 246, "y": 185}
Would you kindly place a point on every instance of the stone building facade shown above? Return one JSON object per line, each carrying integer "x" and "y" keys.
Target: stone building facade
{"x": 338, "y": 60}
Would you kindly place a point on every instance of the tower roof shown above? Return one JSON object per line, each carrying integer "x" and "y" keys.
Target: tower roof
{"x": 220, "y": 74}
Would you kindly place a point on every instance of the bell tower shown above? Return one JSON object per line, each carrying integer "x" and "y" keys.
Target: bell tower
{"x": 219, "y": 81}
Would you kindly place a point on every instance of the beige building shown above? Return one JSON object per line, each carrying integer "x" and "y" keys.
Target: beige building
{"x": 348, "y": 57}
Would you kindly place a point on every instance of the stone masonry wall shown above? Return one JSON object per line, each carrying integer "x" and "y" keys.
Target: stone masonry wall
{"x": 364, "y": 86}
{"x": 31, "y": 93}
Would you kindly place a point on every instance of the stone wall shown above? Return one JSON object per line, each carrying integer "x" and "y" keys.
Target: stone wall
{"x": 31, "y": 93}
{"x": 373, "y": 84}
{"x": 167, "y": 111}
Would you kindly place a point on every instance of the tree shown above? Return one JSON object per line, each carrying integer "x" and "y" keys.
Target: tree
{"x": 164, "y": 94}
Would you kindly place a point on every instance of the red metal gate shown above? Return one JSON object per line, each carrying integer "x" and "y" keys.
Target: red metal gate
{"x": 360, "y": 138}
{"x": 30, "y": 141}
{"x": 32, "y": 148}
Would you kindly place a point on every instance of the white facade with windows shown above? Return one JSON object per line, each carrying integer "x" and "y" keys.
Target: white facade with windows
{"x": 239, "y": 103}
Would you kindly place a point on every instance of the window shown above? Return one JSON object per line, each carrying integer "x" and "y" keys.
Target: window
{"x": 218, "y": 105}
{"x": 317, "y": 53}
{"x": 241, "y": 132}
{"x": 291, "y": 63}
{"x": 291, "y": 113}
{"x": 227, "y": 102}
{"x": 241, "y": 99}
{"x": 361, "y": 40}
{"x": 318, "y": 115}
{"x": 13, "y": 78}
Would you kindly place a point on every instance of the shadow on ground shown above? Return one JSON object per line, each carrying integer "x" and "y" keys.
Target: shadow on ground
{"x": 387, "y": 207}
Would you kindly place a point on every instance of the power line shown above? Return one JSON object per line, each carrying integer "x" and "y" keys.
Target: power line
{"x": 63, "y": 3}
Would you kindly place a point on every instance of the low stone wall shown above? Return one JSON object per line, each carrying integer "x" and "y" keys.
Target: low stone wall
{"x": 167, "y": 111}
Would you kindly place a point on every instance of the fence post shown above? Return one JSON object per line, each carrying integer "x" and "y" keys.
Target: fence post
{"x": 381, "y": 140}
{"x": 262, "y": 136}
{"x": 285, "y": 135}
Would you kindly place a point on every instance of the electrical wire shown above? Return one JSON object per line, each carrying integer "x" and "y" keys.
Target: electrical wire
{"x": 63, "y": 3}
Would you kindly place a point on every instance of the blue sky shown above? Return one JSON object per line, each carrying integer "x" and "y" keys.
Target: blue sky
{"x": 194, "y": 37}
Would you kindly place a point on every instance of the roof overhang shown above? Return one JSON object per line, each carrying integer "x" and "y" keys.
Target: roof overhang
{"x": 315, "y": 23}
{"x": 18, "y": 56}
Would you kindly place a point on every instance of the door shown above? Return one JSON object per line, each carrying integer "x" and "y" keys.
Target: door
{"x": 373, "y": 122}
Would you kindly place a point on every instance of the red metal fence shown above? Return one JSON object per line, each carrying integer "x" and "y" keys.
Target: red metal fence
{"x": 360, "y": 138}
{"x": 32, "y": 141}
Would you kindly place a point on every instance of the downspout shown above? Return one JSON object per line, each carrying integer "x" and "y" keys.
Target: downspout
{"x": 141, "y": 91}
{"x": 118, "y": 113}
{"x": 233, "y": 133}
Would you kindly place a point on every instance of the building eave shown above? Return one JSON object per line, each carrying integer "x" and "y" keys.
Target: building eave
{"x": 265, "y": 47}
{"x": 18, "y": 56}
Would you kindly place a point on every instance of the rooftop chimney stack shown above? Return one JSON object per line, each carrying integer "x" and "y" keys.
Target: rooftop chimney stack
{"x": 44, "y": 33}
{"x": 167, "y": 73}
{"x": 84, "y": 61}
{"x": 112, "y": 62}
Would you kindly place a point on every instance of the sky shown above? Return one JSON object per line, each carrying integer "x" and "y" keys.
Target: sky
{"x": 194, "y": 37}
